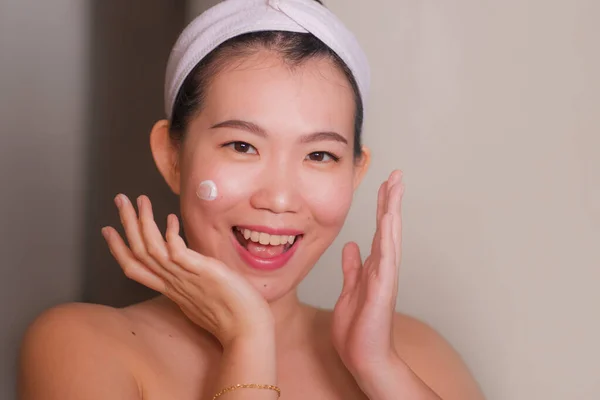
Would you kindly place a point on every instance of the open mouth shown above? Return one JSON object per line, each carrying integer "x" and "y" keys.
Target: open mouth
{"x": 264, "y": 245}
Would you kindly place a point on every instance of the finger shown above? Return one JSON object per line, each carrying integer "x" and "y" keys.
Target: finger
{"x": 397, "y": 230}
{"x": 132, "y": 268}
{"x": 381, "y": 195}
{"x": 174, "y": 240}
{"x": 132, "y": 227}
{"x": 387, "y": 263}
{"x": 178, "y": 250}
{"x": 172, "y": 227}
{"x": 394, "y": 200}
{"x": 351, "y": 266}
{"x": 396, "y": 209}
{"x": 394, "y": 180}
{"x": 153, "y": 240}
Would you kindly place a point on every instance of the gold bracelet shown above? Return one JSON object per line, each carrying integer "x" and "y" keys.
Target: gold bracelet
{"x": 248, "y": 386}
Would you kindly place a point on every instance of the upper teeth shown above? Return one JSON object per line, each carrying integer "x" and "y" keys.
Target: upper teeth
{"x": 264, "y": 238}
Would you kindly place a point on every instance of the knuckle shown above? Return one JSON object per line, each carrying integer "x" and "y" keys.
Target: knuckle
{"x": 177, "y": 255}
{"x": 168, "y": 290}
{"x": 128, "y": 270}
{"x": 180, "y": 285}
{"x": 154, "y": 251}
{"x": 139, "y": 251}
{"x": 129, "y": 273}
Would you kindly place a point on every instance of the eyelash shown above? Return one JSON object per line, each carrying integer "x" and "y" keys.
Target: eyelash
{"x": 334, "y": 158}
{"x": 233, "y": 146}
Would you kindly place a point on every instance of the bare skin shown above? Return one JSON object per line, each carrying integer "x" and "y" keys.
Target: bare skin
{"x": 220, "y": 321}
{"x": 159, "y": 354}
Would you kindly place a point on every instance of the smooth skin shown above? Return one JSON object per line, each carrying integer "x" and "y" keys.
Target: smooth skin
{"x": 217, "y": 322}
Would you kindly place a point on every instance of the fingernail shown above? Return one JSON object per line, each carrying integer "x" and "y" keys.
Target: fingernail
{"x": 118, "y": 201}
{"x": 398, "y": 176}
{"x": 105, "y": 233}
{"x": 139, "y": 202}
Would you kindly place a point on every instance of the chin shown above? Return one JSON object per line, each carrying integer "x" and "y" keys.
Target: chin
{"x": 273, "y": 292}
{"x": 278, "y": 283}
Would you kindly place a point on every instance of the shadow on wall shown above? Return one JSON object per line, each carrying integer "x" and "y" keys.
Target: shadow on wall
{"x": 130, "y": 44}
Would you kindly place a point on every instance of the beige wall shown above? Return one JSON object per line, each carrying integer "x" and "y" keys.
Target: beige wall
{"x": 43, "y": 57}
{"x": 491, "y": 109}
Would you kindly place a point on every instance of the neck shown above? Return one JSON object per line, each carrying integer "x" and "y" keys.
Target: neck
{"x": 293, "y": 320}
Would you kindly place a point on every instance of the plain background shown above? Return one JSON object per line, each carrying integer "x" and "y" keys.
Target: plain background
{"x": 80, "y": 87}
{"x": 490, "y": 108}
{"x": 43, "y": 78}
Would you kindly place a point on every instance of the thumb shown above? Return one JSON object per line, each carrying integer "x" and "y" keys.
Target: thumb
{"x": 351, "y": 264}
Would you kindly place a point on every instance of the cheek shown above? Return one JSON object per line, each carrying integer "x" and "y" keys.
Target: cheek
{"x": 231, "y": 186}
{"x": 329, "y": 199}
{"x": 205, "y": 221}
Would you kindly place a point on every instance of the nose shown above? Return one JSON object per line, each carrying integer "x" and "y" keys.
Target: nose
{"x": 277, "y": 190}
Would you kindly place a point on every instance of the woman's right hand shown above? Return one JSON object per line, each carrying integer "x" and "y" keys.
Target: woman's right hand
{"x": 209, "y": 293}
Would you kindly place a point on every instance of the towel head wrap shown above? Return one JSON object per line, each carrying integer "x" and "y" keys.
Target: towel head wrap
{"x": 232, "y": 18}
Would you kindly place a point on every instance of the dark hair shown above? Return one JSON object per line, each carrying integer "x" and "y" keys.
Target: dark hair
{"x": 294, "y": 48}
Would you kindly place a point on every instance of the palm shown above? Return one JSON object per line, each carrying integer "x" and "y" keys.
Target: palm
{"x": 363, "y": 315}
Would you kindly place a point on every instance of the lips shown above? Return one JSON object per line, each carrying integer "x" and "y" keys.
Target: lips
{"x": 264, "y": 248}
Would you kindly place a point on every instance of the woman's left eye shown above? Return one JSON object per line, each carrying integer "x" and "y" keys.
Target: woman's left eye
{"x": 322, "y": 157}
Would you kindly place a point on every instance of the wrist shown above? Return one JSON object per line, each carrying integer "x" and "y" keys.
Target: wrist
{"x": 263, "y": 340}
{"x": 248, "y": 360}
{"x": 393, "y": 379}
{"x": 259, "y": 330}
{"x": 256, "y": 346}
{"x": 376, "y": 368}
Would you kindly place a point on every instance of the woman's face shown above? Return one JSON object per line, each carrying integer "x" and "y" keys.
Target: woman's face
{"x": 278, "y": 143}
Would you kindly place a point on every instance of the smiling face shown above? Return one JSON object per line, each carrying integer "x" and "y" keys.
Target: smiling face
{"x": 278, "y": 143}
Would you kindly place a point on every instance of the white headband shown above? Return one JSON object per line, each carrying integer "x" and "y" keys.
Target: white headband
{"x": 232, "y": 18}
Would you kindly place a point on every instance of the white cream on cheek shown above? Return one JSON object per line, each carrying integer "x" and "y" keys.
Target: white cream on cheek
{"x": 207, "y": 190}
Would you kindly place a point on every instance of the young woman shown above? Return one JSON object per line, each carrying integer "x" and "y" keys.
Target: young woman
{"x": 262, "y": 143}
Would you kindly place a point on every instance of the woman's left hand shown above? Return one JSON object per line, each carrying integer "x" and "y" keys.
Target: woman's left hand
{"x": 364, "y": 313}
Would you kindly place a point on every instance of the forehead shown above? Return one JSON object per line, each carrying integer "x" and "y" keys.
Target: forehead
{"x": 264, "y": 89}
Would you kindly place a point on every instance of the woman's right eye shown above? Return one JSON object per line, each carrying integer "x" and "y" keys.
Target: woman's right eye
{"x": 242, "y": 147}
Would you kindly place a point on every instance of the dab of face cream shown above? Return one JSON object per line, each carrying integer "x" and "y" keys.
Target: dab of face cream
{"x": 207, "y": 190}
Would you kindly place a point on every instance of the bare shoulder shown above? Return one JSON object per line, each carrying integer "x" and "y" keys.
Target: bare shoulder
{"x": 434, "y": 360}
{"x": 76, "y": 351}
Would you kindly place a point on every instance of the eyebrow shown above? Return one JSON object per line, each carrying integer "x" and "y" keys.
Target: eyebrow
{"x": 257, "y": 130}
